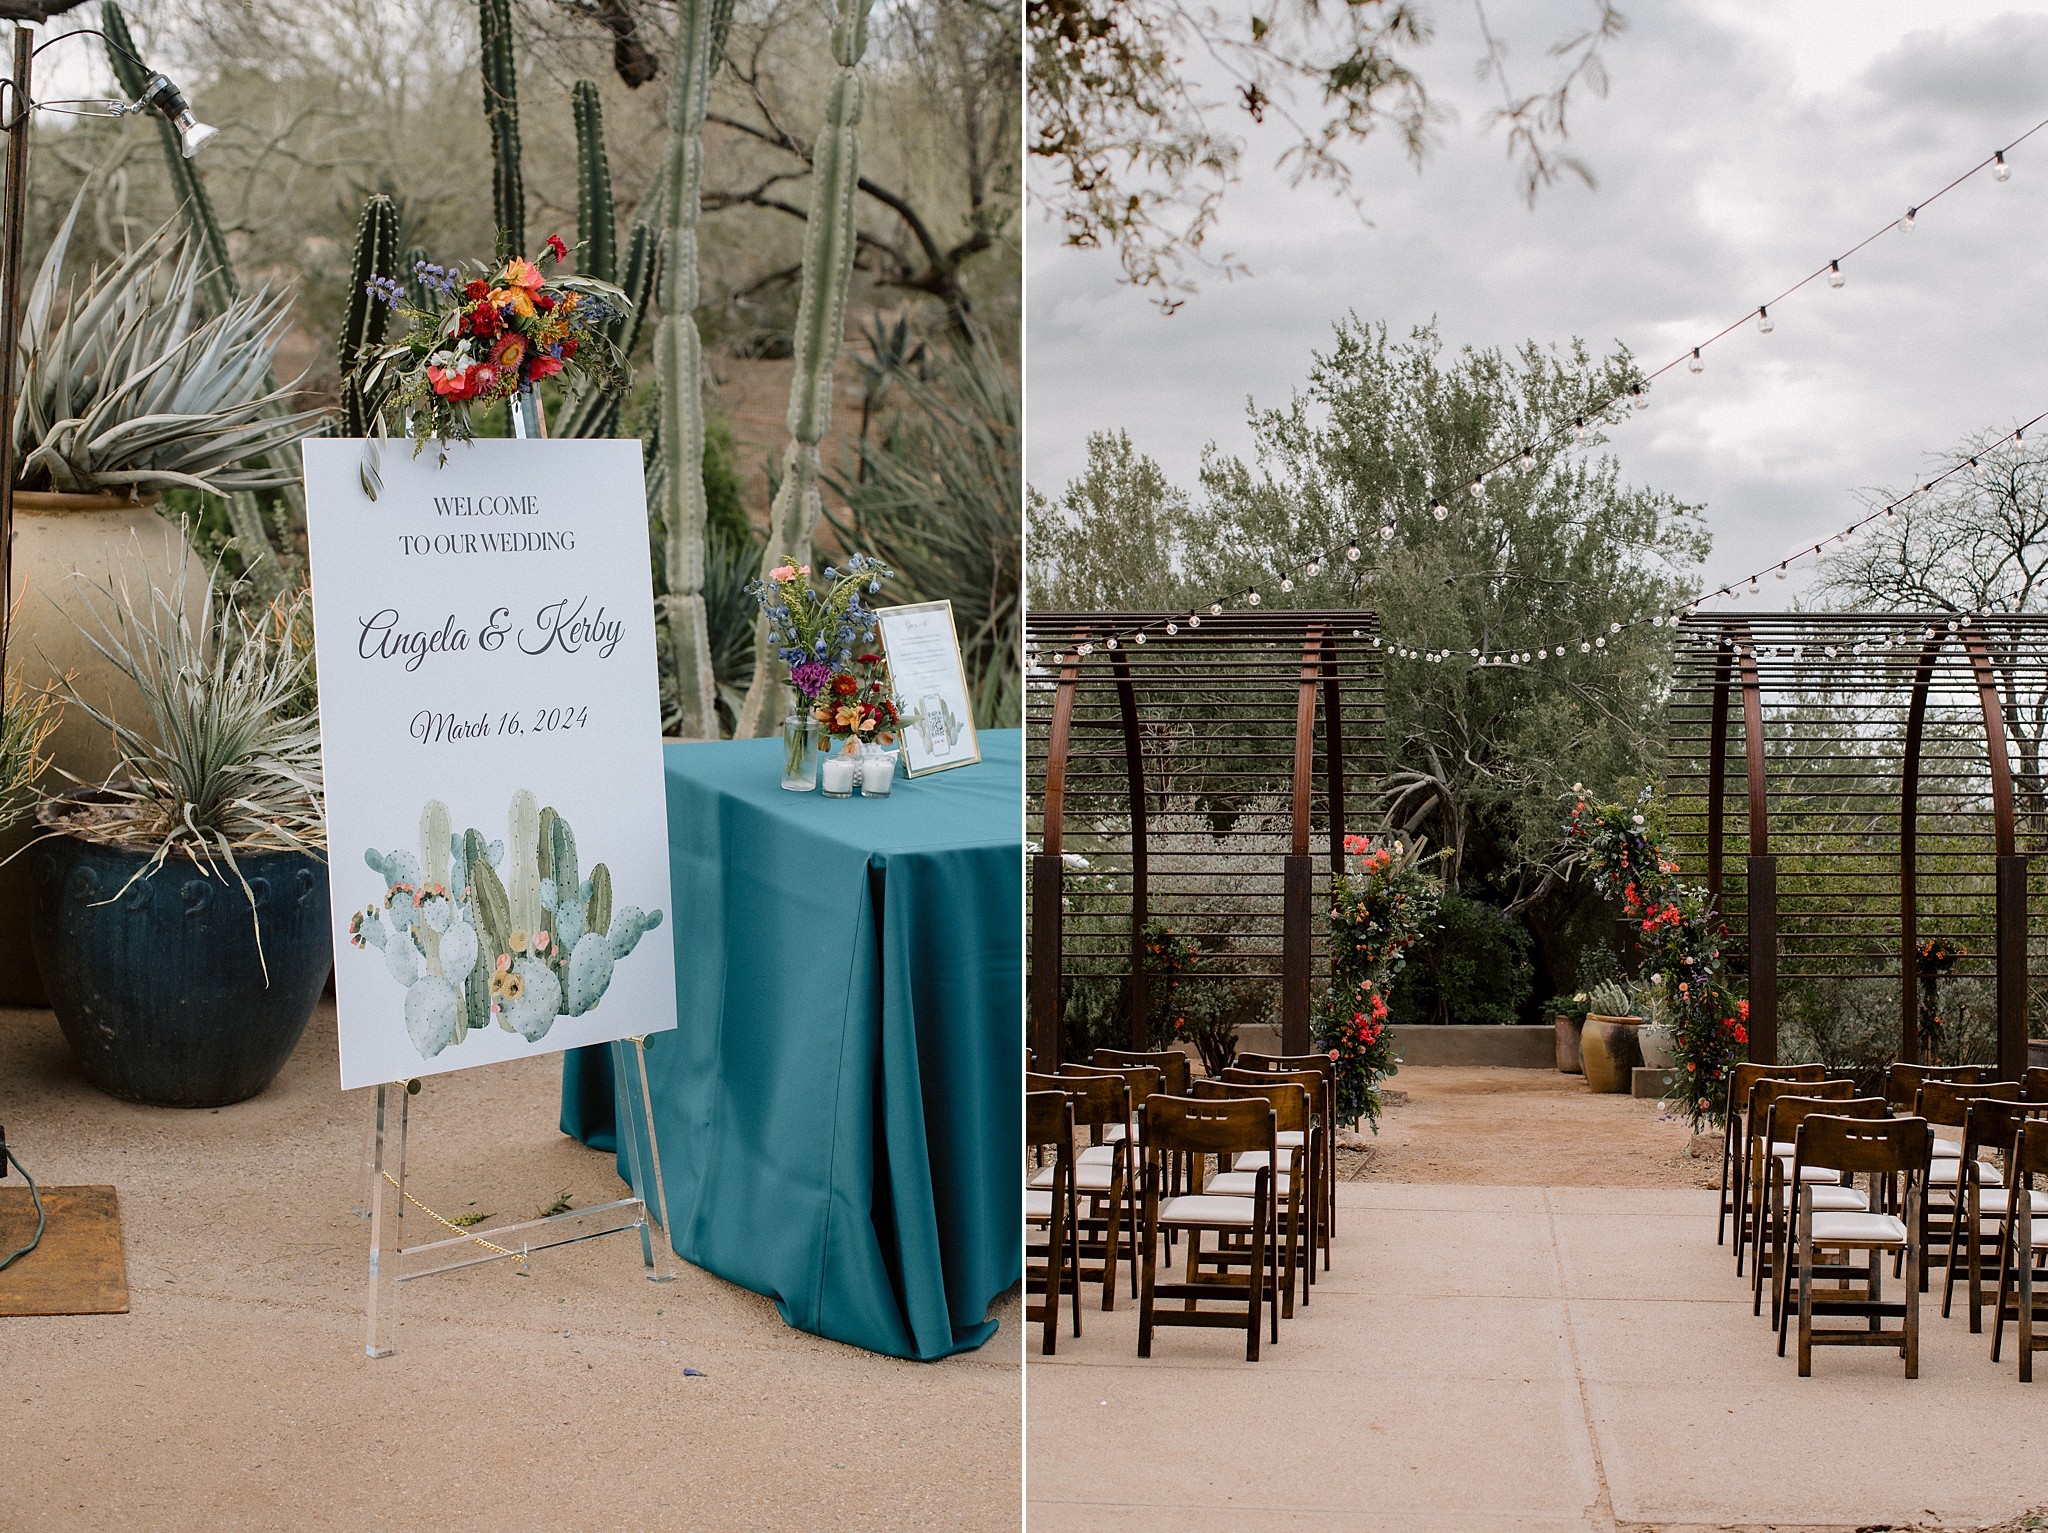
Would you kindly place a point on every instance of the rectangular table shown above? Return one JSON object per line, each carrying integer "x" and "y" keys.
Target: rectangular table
{"x": 840, "y": 1106}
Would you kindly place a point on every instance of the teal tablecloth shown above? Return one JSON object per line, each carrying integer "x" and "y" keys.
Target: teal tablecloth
{"x": 840, "y": 1105}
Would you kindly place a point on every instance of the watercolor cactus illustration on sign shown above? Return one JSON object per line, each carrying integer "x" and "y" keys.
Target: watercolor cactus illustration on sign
{"x": 506, "y": 931}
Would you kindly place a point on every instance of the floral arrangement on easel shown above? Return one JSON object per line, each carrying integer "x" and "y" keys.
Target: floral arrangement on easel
{"x": 1379, "y": 907}
{"x": 486, "y": 333}
{"x": 1621, "y": 848}
{"x": 1934, "y": 960}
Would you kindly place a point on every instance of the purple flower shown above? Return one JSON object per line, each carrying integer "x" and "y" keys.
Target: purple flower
{"x": 810, "y": 677}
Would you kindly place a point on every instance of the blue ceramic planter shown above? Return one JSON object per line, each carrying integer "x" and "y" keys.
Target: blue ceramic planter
{"x": 157, "y": 982}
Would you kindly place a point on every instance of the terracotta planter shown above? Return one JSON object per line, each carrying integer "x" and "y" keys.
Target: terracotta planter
{"x": 1570, "y": 1060}
{"x": 1611, "y": 1051}
{"x": 109, "y": 539}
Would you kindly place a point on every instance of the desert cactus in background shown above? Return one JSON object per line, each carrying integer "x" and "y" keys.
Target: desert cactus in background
{"x": 220, "y": 288}
{"x": 592, "y": 411}
{"x": 362, "y": 326}
{"x": 522, "y": 867}
{"x": 596, "y": 233}
{"x": 679, "y": 362}
{"x": 501, "y": 110}
{"x": 829, "y": 238}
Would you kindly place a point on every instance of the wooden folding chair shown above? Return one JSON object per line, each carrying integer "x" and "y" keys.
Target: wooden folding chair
{"x": 1104, "y": 1187}
{"x": 2034, "y": 1084}
{"x": 1734, "y": 1163}
{"x": 1295, "y": 1189}
{"x": 1989, "y": 1123}
{"x": 1878, "y": 1149}
{"x": 1759, "y": 1148}
{"x": 1314, "y": 1139}
{"x": 1323, "y": 1065}
{"x": 1142, "y": 1080}
{"x": 2022, "y": 1285}
{"x": 1175, "y": 1069}
{"x": 1837, "y": 1099}
{"x": 1196, "y": 1127}
{"x": 1945, "y": 1105}
{"x": 1049, "y": 1267}
{"x": 1902, "y": 1082}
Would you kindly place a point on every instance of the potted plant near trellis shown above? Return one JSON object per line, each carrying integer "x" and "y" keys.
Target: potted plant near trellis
{"x": 124, "y": 394}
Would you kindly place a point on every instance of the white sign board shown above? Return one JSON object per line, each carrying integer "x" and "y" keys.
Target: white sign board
{"x": 933, "y": 713}
{"x": 490, "y": 723}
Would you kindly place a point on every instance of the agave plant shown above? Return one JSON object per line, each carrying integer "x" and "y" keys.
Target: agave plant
{"x": 129, "y": 389}
{"x": 225, "y": 760}
{"x": 25, "y": 725}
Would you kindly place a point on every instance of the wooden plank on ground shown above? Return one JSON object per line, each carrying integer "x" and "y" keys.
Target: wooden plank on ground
{"x": 78, "y": 1269}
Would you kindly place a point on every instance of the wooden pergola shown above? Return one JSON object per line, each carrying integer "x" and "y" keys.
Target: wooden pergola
{"x": 1196, "y": 774}
{"x": 1843, "y": 776}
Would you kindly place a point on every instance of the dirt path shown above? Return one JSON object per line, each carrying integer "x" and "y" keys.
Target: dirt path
{"x": 1525, "y": 1128}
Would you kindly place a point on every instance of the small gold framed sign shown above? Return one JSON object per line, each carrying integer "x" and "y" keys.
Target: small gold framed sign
{"x": 934, "y": 718}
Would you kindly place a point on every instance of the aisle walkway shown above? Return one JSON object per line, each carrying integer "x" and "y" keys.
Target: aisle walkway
{"x": 1523, "y": 1358}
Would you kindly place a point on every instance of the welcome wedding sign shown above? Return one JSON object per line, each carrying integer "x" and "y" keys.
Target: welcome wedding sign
{"x": 490, "y": 723}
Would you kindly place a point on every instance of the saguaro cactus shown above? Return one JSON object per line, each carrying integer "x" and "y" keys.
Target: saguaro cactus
{"x": 679, "y": 362}
{"x": 501, "y": 109}
{"x": 820, "y": 326}
{"x": 591, "y": 411}
{"x": 362, "y": 325}
{"x": 595, "y": 229}
{"x": 218, "y": 285}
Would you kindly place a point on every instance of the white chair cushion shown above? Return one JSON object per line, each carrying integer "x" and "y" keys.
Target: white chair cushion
{"x": 1807, "y": 1173}
{"x": 1827, "y": 1198}
{"x": 1992, "y": 1200}
{"x": 1257, "y": 1158}
{"x": 1947, "y": 1173}
{"x": 1037, "y": 1205}
{"x": 1197, "y": 1208}
{"x": 1111, "y": 1133}
{"x": 1243, "y": 1184}
{"x": 1098, "y": 1155}
{"x": 1088, "y": 1177}
{"x": 1858, "y": 1230}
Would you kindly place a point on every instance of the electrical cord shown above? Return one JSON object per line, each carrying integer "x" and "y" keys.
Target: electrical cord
{"x": 38, "y": 1240}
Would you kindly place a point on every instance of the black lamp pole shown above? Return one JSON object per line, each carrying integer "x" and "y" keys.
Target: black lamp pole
{"x": 13, "y": 230}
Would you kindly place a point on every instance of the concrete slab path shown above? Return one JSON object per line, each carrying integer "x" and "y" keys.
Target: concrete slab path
{"x": 235, "y": 1394}
{"x": 1523, "y": 1360}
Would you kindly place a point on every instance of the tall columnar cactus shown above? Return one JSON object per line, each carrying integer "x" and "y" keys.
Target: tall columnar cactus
{"x": 522, "y": 867}
{"x": 679, "y": 362}
{"x": 501, "y": 110}
{"x": 218, "y": 285}
{"x": 362, "y": 325}
{"x": 433, "y": 870}
{"x": 596, "y": 231}
{"x": 492, "y": 911}
{"x": 829, "y": 238}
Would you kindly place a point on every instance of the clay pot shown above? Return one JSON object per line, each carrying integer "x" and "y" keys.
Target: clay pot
{"x": 1570, "y": 1060}
{"x": 1611, "y": 1052}
{"x": 111, "y": 540}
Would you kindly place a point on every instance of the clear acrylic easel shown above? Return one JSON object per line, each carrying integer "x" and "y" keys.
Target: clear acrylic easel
{"x": 383, "y": 1202}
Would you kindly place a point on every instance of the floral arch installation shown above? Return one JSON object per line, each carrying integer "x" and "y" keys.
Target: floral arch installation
{"x": 1207, "y": 780}
{"x": 1852, "y": 785}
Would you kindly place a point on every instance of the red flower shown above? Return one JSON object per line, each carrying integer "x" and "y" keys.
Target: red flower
{"x": 569, "y": 348}
{"x": 485, "y": 321}
{"x": 1742, "y": 1033}
{"x": 475, "y": 290}
{"x": 510, "y": 350}
{"x": 542, "y": 302}
{"x": 542, "y": 367}
{"x": 555, "y": 244}
{"x": 844, "y": 685}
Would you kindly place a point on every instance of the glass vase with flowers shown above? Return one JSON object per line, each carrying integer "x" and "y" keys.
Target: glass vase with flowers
{"x": 817, "y": 625}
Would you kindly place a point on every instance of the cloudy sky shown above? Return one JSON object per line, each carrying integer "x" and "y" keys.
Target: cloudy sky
{"x": 1743, "y": 144}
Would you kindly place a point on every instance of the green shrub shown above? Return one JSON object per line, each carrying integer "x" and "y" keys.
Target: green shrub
{"x": 1472, "y": 967}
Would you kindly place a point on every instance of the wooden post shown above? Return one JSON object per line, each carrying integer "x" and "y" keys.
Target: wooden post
{"x": 2012, "y": 967}
{"x": 1048, "y": 891}
{"x": 1763, "y": 960}
{"x": 14, "y": 216}
{"x": 1297, "y": 896}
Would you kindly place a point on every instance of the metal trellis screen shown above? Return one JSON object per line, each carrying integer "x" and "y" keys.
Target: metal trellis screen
{"x": 1205, "y": 781}
{"x": 1854, "y": 784}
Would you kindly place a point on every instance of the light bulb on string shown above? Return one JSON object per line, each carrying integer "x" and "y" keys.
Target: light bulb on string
{"x": 1215, "y": 609}
{"x": 1351, "y": 551}
{"x": 1693, "y": 363}
{"x": 1387, "y": 533}
{"x": 1194, "y": 620}
{"x": 1139, "y": 636}
{"x": 1251, "y": 598}
{"x": 1110, "y": 642}
{"x": 1315, "y": 567}
{"x": 1527, "y": 460}
{"x": 1978, "y": 469}
{"x": 1835, "y": 277}
{"x": 1477, "y": 487}
{"x": 1754, "y": 588}
{"x": 1286, "y": 583}
{"x": 1764, "y": 322}
{"x": 1906, "y": 223}
{"x": 1439, "y": 510}
{"x": 1172, "y": 629}
{"x": 2000, "y": 171}
{"x": 1781, "y": 572}
{"x": 1086, "y": 648}
{"x": 1579, "y": 428}
{"x": 1640, "y": 395}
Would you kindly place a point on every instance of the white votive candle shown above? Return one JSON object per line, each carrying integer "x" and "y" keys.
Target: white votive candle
{"x": 838, "y": 774}
{"x": 878, "y": 774}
